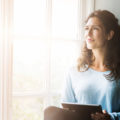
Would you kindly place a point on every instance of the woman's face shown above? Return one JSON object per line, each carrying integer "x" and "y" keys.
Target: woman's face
{"x": 95, "y": 36}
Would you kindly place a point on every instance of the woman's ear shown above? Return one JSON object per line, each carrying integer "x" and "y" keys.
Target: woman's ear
{"x": 110, "y": 35}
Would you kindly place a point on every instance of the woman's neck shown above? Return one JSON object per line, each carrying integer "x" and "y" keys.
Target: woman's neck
{"x": 99, "y": 67}
{"x": 98, "y": 63}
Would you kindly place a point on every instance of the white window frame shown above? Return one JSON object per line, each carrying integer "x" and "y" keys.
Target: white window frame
{"x": 6, "y": 59}
{"x": 85, "y": 7}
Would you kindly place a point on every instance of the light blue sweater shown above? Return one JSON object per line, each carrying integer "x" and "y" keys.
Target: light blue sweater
{"x": 91, "y": 87}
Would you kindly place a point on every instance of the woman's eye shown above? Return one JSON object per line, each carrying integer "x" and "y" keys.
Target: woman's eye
{"x": 86, "y": 28}
{"x": 95, "y": 28}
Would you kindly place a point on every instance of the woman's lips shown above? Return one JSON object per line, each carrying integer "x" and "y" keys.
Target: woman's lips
{"x": 90, "y": 40}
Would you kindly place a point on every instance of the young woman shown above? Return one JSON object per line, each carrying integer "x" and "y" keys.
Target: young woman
{"x": 96, "y": 79}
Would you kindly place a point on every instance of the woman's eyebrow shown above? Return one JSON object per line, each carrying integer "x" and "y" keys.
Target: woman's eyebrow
{"x": 94, "y": 26}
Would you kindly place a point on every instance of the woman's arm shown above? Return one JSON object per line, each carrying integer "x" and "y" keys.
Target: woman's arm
{"x": 68, "y": 94}
{"x": 115, "y": 115}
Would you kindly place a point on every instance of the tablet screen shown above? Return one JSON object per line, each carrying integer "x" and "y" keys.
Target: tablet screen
{"x": 84, "y": 110}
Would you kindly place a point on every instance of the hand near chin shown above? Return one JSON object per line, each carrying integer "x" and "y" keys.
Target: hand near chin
{"x": 101, "y": 116}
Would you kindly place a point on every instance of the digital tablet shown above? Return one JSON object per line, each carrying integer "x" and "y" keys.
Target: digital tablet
{"x": 83, "y": 110}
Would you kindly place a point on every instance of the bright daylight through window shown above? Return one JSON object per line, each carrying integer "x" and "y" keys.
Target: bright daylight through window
{"x": 45, "y": 44}
{"x": 44, "y": 47}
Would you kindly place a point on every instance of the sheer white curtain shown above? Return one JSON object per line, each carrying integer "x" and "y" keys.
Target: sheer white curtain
{"x": 51, "y": 37}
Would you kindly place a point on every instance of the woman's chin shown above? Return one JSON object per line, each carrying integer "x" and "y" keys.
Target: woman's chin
{"x": 90, "y": 47}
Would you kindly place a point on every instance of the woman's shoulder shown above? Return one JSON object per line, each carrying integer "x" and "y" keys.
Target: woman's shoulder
{"x": 75, "y": 71}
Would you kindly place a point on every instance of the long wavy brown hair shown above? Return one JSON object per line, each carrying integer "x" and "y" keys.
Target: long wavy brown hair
{"x": 112, "y": 56}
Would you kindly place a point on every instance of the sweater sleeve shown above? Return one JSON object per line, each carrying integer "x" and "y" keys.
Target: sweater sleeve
{"x": 68, "y": 92}
{"x": 115, "y": 115}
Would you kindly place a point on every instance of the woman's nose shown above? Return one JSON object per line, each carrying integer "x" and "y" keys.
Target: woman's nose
{"x": 89, "y": 32}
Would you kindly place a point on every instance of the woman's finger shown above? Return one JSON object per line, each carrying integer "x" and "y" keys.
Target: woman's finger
{"x": 104, "y": 111}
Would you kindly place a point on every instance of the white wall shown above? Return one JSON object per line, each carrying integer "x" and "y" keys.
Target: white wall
{"x": 111, "y": 5}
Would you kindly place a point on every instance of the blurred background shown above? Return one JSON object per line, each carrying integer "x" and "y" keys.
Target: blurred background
{"x": 45, "y": 46}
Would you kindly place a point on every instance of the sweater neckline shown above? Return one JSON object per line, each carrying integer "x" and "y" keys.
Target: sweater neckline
{"x": 99, "y": 71}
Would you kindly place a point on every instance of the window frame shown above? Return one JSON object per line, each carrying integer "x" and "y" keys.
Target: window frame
{"x": 6, "y": 59}
{"x": 6, "y": 53}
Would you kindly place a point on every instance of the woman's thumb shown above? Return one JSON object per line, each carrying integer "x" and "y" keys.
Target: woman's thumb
{"x": 104, "y": 111}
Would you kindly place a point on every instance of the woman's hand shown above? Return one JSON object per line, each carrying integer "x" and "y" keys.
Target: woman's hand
{"x": 101, "y": 116}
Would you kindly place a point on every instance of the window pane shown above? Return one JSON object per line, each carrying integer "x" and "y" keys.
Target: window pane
{"x": 64, "y": 55}
{"x": 29, "y": 17}
{"x": 64, "y": 18}
{"x": 28, "y": 108}
{"x": 56, "y": 100}
{"x": 30, "y": 64}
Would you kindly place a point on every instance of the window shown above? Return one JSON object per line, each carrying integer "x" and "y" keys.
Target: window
{"x": 41, "y": 40}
